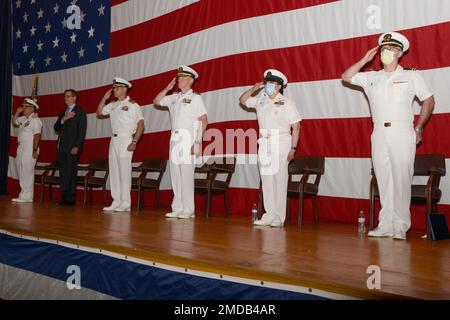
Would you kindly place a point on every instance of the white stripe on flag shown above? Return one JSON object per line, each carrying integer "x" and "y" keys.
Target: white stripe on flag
{"x": 133, "y": 12}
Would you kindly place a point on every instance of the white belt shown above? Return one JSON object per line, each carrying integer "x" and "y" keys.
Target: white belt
{"x": 393, "y": 124}
{"x": 25, "y": 143}
{"x": 280, "y": 135}
{"x": 122, "y": 135}
{"x": 178, "y": 131}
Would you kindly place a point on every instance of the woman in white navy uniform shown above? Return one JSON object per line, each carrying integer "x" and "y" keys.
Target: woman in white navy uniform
{"x": 29, "y": 128}
{"x": 391, "y": 92}
{"x": 279, "y": 129}
{"x": 127, "y": 124}
{"x": 189, "y": 121}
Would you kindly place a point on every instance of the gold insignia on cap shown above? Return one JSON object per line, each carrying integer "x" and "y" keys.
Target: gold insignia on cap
{"x": 118, "y": 84}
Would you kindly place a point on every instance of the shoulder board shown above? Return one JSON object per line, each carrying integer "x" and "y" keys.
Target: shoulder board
{"x": 195, "y": 92}
{"x": 132, "y": 101}
{"x": 411, "y": 69}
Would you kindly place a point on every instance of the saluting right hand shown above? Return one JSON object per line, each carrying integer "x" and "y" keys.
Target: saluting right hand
{"x": 171, "y": 84}
{"x": 19, "y": 110}
{"x": 370, "y": 54}
{"x": 256, "y": 86}
{"x": 107, "y": 94}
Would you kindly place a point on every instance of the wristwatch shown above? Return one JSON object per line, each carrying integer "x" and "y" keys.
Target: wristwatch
{"x": 134, "y": 141}
{"x": 35, "y": 149}
{"x": 293, "y": 148}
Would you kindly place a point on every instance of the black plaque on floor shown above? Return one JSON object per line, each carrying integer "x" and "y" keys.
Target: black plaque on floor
{"x": 438, "y": 226}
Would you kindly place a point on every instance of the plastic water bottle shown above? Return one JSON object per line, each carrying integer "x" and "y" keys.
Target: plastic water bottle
{"x": 254, "y": 212}
{"x": 361, "y": 222}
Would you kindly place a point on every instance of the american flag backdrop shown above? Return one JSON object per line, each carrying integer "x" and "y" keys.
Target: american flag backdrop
{"x": 230, "y": 43}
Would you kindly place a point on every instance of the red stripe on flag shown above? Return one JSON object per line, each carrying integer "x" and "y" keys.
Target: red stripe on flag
{"x": 315, "y": 62}
{"x": 116, "y": 2}
{"x": 178, "y": 23}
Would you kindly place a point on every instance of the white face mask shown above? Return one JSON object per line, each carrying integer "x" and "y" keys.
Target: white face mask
{"x": 387, "y": 56}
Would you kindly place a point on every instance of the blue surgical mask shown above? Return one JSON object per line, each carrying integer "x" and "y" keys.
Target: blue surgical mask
{"x": 270, "y": 89}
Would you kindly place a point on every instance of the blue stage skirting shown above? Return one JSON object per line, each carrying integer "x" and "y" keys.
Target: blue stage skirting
{"x": 32, "y": 269}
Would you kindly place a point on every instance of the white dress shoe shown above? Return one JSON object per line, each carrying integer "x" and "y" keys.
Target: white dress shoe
{"x": 266, "y": 220}
{"x": 186, "y": 215}
{"x": 276, "y": 223}
{"x": 112, "y": 207}
{"x": 18, "y": 200}
{"x": 14, "y": 199}
{"x": 379, "y": 233}
{"x": 172, "y": 214}
{"x": 122, "y": 209}
{"x": 399, "y": 236}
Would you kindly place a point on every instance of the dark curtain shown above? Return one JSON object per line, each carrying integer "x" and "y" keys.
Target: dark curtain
{"x": 5, "y": 89}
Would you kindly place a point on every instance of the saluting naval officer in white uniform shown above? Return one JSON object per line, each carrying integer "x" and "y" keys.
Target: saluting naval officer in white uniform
{"x": 127, "y": 124}
{"x": 391, "y": 92}
{"x": 279, "y": 129}
{"x": 29, "y": 128}
{"x": 189, "y": 121}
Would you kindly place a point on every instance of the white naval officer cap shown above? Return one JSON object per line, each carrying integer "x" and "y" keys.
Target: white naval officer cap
{"x": 394, "y": 39}
{"x": 30, "y": 103}
{"x": 185, "y": 71}
{"x": 119, "y": 82}
{"x": 275, "y": 75}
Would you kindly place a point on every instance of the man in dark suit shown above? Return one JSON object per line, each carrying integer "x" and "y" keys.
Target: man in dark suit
{"x": 71, "y": 129}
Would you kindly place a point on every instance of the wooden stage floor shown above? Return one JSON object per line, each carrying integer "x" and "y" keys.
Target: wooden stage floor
{"x": 329, "y": 256}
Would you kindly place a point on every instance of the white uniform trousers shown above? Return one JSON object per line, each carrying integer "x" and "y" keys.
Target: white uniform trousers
{"x": 182, "y": 168}
{"x": 273, "y": 168}
{"x": 120, "y": 169}
{"x": 393, "y": 152}
{"x": 25, "y": 168}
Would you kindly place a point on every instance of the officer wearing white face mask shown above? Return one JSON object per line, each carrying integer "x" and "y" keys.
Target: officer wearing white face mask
{"x": 189, "y": 120}
{"x": 127, "y": 124}
{"x": 391, "y": 92}
{"x": 277, "y": 117}
{"x": 29, "y": 127}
